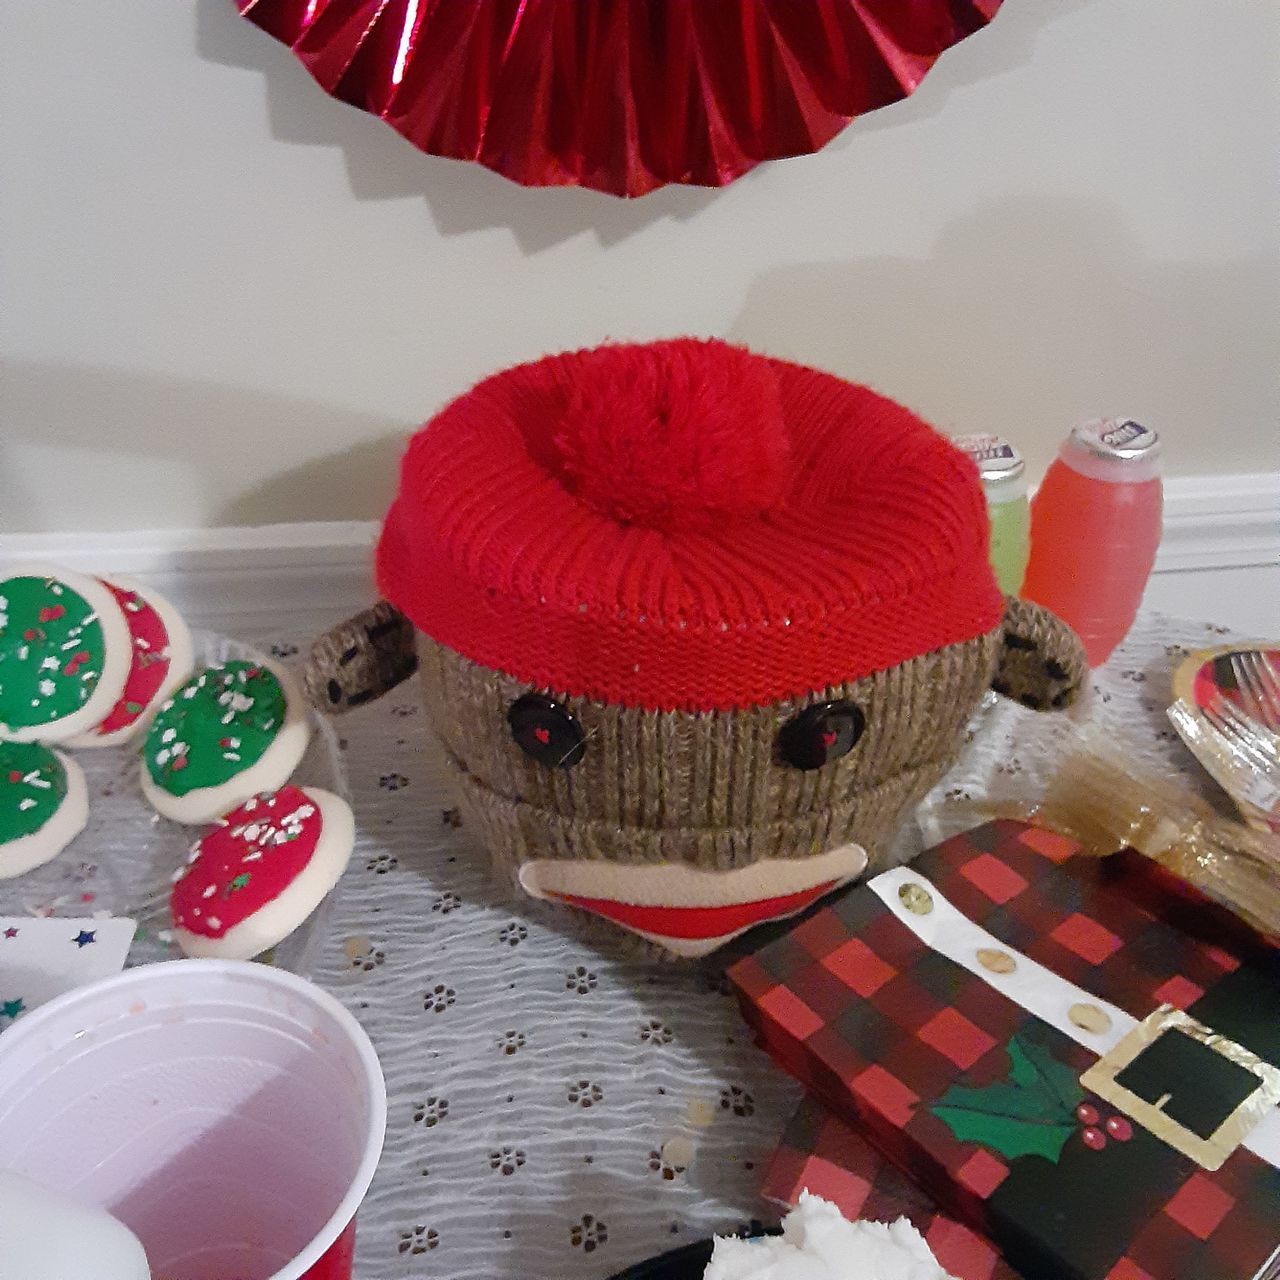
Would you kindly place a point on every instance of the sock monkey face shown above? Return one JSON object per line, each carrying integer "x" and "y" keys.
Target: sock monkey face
{"x": 688, "y": 828}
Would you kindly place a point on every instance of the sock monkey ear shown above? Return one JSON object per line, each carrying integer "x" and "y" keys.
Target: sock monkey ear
{"x": 1042, "y": 662}
{"x": 360, "y": 659}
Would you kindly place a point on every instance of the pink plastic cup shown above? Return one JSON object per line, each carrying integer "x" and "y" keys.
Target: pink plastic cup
{"x": 231, "y": 1115}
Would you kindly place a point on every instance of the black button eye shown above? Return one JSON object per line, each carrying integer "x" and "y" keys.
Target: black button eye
{"x": 821, "y": 733}
{"x": 546, "y": 731}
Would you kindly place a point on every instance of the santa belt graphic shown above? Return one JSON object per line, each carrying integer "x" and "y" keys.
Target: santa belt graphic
{"x": 1138, "y": 1068}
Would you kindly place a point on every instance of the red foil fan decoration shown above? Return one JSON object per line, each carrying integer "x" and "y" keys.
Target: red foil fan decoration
{"x": 620, "y": 95}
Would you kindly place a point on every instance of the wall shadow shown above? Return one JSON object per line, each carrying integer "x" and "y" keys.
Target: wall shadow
{"x": 381, "y": 165}
{"x": 355, "y": 483}
{"x": 464, "y": 197}
{"x": 1001, "y": 327}
{"x": 198, "y": 423}
{"x": 1006, "y": 43}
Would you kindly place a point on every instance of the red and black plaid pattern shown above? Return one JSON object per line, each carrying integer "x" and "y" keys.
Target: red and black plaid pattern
{"x": 1079, "y": 917}
{"x": 879, "y": 1026}
{"x": 821, "y": 1154}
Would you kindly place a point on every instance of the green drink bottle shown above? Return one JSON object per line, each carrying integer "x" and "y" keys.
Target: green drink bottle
{"x": 1004, "y": 480}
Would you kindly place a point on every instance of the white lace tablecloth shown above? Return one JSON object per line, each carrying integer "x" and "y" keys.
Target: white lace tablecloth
{"x": 557, "y": 1111}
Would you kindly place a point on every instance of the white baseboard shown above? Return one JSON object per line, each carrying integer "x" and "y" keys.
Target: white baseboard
{"x": 1220, "y": 522}
{"x": 231, "y": 572}
{"x": 1219, "y": 559}
{"x": 1219, "y": 555}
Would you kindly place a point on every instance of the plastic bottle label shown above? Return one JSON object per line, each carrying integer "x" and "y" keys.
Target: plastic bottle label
{"x": 981, "y": 447}
{"x": 1118, "y": 437}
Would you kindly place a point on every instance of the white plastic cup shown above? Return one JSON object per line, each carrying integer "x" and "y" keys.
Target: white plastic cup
{"x": 230, "y": 1114}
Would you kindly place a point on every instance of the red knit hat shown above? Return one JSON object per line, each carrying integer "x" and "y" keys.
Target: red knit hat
{"x": 685, "y": 525}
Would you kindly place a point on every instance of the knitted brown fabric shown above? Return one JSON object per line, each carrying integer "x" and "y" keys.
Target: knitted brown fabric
{"x": 702, "y": 789}
{"x": 1042, "y": 664}
{"x": 360, "y": 659}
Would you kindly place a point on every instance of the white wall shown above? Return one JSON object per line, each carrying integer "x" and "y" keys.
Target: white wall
{"x": 226, "y": 296}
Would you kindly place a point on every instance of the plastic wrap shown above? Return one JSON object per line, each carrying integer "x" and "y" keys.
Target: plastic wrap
{"x": 1098, "y": 799}
{"x": 1227, "y": 711}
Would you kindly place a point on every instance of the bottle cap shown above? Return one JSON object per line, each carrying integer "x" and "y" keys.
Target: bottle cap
{"x": 1118, "y": 438}
{"x": 995, "y": 457}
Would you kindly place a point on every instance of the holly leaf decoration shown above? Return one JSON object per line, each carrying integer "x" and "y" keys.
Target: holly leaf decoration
{"x": 1031, "y": 1113}
{"x": 1033, "y": 1066}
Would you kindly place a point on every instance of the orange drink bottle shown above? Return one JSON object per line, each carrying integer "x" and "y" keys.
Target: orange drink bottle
{"x": 1095, "y": 527}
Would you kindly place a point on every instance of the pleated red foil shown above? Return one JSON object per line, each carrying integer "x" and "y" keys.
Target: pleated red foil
{"x": 620, "y": 95}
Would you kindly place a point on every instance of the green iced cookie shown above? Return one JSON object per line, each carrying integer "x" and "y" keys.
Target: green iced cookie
{"x": 215, "y": 726}
{"x": 64, "y": 653}
{"x": 33, "y": 785}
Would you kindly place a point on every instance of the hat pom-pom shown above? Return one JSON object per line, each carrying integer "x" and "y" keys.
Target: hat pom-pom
{"x": 674, "y": 435}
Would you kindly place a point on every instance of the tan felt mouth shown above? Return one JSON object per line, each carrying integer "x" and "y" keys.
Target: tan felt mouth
{"x": 714, "y": 906}
{"x": 671, "y": 884}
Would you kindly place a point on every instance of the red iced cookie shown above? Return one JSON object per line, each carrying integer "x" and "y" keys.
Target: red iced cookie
{"x": 160, "y": 660}
{"x": 260, "y": 872}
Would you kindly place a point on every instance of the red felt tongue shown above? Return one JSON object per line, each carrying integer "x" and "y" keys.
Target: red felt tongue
{"x": 696, "y": 922}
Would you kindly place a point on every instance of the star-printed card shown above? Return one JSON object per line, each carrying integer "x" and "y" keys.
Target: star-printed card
{"x": 42, "y": 958}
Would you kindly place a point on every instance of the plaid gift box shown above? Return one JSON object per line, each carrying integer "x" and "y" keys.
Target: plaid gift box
{"x": 1079, "y": 1057}
{"x": 821, "y": 1154}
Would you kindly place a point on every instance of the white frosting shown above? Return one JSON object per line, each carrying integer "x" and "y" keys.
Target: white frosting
{"x": 44, "y": 1234}
{"x": 818, "y": 1243}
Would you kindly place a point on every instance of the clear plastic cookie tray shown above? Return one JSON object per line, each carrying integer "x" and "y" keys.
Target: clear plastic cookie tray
{"x": 123, "y": 862}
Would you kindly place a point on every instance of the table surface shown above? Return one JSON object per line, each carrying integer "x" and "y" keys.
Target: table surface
{"x": 557, "y": 1110}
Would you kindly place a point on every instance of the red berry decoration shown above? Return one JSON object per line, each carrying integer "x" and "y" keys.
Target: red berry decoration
{"x": 1087, "y": 1114}
{"x": 1119, "y": 1128}
{"x": 1094, "y": 1139}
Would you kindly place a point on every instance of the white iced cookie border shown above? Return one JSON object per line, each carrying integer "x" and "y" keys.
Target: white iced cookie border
{"x": 116, "y": 658}
{"x": 181, "y": 665}
{"x": 68, "y": 820}
{"x": 272, "y": 771}
{"x": 273, "y": 923}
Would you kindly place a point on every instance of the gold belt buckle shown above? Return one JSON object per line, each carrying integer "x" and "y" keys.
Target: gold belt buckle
{"x": 1160, "y": 1083}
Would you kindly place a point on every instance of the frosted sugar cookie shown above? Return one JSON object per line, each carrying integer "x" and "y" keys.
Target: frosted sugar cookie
{"x": 228, "y": 733}
{"x": 261, "y": 872}
{"x": 43, "y": 805}
{"x": 160, "y": 660}
{"x": 64, "y": 653}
